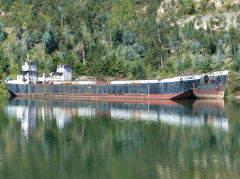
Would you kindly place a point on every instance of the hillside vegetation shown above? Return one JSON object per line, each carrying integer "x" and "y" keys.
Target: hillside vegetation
{"x": 134, "y": 39}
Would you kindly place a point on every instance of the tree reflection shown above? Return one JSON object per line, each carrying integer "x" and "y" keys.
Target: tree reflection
{"x": 96, "y": 144}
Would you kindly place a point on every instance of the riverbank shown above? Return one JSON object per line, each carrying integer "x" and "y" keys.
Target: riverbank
{"x": 3, "y": 90}
{"x": 232, "y": 90}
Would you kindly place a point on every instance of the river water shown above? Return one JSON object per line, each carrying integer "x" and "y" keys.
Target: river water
{"x": 106, "y": 139}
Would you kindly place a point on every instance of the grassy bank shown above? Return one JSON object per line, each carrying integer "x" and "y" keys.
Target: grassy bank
{"x": 3, "y": 90}
{"x": 232, "y": 90}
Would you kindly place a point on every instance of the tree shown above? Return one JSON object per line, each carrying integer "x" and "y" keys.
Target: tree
{"x": 130, "y": 53}
{"x": 117, "y": 35}
{"x": 196, "y": 47}
{"x": 19, "y": 32}
{"x": 18, "y": 53}
{"x": 189, "y": 30}
{"x": 139, "y": 48}
{"x": 234, "y": 39}
{"x": 179, "y": 63}
{"x": 137, "y": 70}
{"x": 187, "y": 6}
{"x": 236, "y": 63}
{"x": 196, "y": 59}
{"x": 28, "y": 40}
{"x": 220, "y": 58}
{"x": 129, "y": 38}
{"x": 220, "y": 54}
{"x": 49, "y": 41}
{"x": 4, "y": 64}
{"x": 37, "y": 37}
{"x": 206, "y": 64}
{"x": 187, "y": 63}
{"x": 3, "y": 34}
{"x": 220, "y": 46}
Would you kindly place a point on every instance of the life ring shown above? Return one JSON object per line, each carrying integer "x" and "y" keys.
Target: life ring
{"x": 206, "y": 78}
{"x": 181, "y": 80}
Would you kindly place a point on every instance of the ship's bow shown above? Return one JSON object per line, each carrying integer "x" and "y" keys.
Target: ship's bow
{"x": 212, "y": 86}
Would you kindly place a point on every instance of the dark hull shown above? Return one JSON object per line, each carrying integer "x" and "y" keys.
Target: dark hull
{"x": 213, "y": 88}
{"x": 152, "y": 91}
{"x": 200, "y": 88}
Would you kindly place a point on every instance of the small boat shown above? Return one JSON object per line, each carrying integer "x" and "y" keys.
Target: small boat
{"x": 61, "y": 86}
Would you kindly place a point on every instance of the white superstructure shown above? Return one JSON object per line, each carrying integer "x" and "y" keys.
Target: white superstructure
{"x": 63, "y": 73}
{"x": 28, "y": 75}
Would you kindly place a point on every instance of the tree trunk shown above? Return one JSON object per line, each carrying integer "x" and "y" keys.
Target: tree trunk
{"x": 62, "y": 22}
{"x": 83, "y": 53}
{"x": 110, "y": 34}
{"x": 159, "y": 64}
{"x": 160, "y": 42}
{"x": 161, "y": 61}
{"x": 44, "y": 53}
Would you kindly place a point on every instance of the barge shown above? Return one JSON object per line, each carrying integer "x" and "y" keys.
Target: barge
{"x": 61, "y": 86}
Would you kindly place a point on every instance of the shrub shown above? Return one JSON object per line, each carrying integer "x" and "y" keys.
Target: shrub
{"x": 205, "y": 65}
{"x": 139, "y": 49}
{"x": 179, "y": 64}
{"x": 128, "y": 38}
{"x": 19, "y": 32}
{"x": 187, "y": 63}
{"x": 116, "y": 36}
{"x": 236, "y": 64}
{"x": 219, "y": 59}
{"x": 79, "y": 68}
{"x": 129, "y": 53}
{"x": 196, "y": 59}
{"x": 196, "y": 46}
{"x": 137, "y": 70}
{"x": 4, "y": 64}
{"x": 168, "y": 67}
{"x": 28, "y": 40}
{"x": 189, "y": 30}
{"x": 37, "y": 38}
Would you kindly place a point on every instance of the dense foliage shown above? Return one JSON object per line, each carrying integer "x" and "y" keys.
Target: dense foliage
{"x": 122, "y": 39}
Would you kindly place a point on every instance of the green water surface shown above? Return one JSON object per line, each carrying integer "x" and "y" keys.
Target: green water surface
{"x": 87, "y": 139}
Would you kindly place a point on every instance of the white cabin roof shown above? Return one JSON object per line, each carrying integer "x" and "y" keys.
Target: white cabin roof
{"x": 29, "y": 66}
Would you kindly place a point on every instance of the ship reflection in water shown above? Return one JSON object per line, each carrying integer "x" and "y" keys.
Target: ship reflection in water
{"x": 195, "y": 113}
